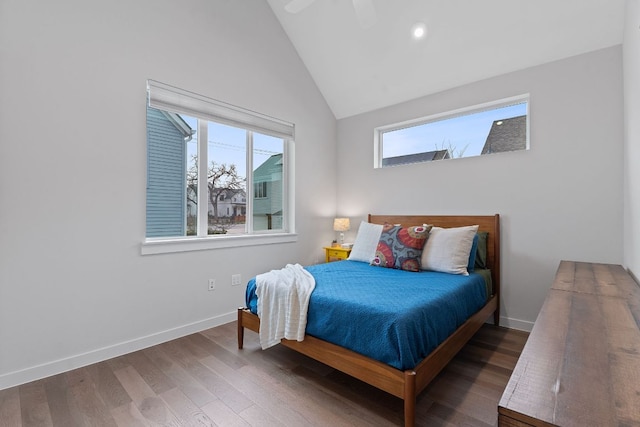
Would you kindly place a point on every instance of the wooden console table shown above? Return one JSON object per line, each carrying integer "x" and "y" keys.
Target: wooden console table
{"x": 581, "y": 363}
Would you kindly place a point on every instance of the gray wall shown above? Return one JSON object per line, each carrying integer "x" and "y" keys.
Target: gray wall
{"x": 73, "y": 286}
{"x": 560, "y": 200}
{"x": 632, "y": 138}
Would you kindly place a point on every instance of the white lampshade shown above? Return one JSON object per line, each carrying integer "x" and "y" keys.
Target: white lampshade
{"x": 341, "y": 224}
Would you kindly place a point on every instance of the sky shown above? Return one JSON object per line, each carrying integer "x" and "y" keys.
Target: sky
{"x": 227, "y": 144}
{"x": 467, "y": 132}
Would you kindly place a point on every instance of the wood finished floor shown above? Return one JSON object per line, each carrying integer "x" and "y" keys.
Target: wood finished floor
{"x": 204, "y": 380}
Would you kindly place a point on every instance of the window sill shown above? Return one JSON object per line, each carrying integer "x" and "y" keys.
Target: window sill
{"x": 187, "y": 244}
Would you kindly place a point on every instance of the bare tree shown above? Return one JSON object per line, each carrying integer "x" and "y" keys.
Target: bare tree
{"x": 453, "y": 151}
{"x": 221, "y": 179}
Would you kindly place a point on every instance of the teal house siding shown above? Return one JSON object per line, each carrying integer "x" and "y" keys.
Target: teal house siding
{"x": 267, "y": 211}
{"x": 166, "y": 175}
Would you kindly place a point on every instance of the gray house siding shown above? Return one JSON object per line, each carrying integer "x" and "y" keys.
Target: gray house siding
{"x": 166, "y": 172}
{"x": 426, "y": 156}
{"x": 507, "y": 135}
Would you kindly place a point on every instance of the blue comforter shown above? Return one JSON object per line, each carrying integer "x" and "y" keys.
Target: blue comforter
{"x": 396, "y": 317}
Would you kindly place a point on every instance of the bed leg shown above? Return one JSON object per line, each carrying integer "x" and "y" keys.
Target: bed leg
{"x": 409, "y": 398}
{"x": 240, "y": 329}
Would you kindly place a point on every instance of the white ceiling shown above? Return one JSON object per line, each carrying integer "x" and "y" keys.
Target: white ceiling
{"x": 359, "y": 70}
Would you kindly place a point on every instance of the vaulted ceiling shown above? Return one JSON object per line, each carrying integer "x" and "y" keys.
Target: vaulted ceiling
{"x": 362, "y": 68}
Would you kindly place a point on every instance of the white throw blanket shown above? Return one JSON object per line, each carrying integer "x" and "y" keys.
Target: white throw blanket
{"x": 283, "y": 300}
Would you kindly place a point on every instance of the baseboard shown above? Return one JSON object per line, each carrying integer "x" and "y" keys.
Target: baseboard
{"x": 522, "y": 325}
{"x": 44, "y": 370}
{"x": 34, "y": 373}
{"x": 507, "y": 322}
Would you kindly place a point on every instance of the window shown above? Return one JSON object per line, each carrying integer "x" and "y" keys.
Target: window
{"x": 192, "y": 139}
{"x": 474, "y": 131}
{"x": 260, "y": 190}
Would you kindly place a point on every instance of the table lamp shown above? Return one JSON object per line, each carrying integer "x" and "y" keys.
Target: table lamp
{"x": 341, "y": 225}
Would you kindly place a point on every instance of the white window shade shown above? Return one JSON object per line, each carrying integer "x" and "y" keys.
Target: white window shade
{"x": 169, "y": 98}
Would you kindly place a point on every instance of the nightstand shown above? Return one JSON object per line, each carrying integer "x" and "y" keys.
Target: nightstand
{"x": 336, "y": 253}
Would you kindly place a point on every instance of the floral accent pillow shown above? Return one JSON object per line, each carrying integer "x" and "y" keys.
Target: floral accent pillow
{"x": 400, "y": 247}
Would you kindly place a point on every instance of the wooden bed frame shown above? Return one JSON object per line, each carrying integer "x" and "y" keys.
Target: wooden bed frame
{"x": 409, "y": 383}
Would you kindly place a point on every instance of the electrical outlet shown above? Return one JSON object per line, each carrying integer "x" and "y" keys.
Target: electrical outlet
{"x": 235, "y": 280}
{"x": 212, "y": 284}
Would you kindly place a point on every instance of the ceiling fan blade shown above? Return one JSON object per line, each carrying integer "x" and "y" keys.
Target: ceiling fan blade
{"x": 295, "y": 6}
{"x": 366, "y": 12}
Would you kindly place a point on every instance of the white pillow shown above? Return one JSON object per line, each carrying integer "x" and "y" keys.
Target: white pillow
{"x": 364, "y": 248}
{"x": 447, "y": 249}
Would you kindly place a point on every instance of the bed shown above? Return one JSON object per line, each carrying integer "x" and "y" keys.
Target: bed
{"x": 412, "y": 374}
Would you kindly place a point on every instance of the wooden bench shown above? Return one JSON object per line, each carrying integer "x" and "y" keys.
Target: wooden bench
{"x": 581, "y": 363}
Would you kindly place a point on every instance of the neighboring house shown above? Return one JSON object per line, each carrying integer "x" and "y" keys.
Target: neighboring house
{"x": 507, "y": 135}
{"x": 267, "y": 194}
{"x": 231, "y": 204}
{"x": 416, "y": 158}
{"x": 167, "y": 135}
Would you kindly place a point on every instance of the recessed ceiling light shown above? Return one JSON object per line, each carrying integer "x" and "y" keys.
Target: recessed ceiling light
{"x": 419, "y": 30}
{"x": 499, "y": 123}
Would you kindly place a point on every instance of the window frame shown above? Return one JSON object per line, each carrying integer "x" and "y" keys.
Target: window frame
{"x": 260, "y": 191}
{"x": 168, "y": 98}
{"x": 478, "y": 108}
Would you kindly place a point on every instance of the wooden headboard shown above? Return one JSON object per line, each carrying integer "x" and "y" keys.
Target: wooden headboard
{"x": 489, "y": 223}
